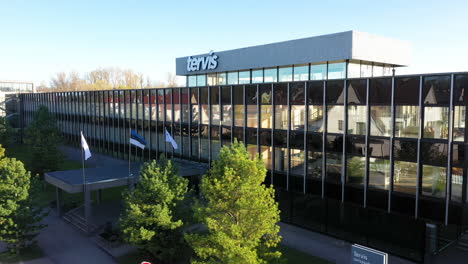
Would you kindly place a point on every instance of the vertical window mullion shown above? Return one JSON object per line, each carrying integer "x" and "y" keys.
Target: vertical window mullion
{"x": 324, "y": 137}
{"x": 366, "y": 175}
{"x": 419, "y": 166}
{"x": 288, "y": 133}
{"x": 392, "y": 143}
{"x": 448, "y": 186}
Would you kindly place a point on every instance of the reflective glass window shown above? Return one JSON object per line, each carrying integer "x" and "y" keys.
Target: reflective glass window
{"x": 285, "y": 74}
{"x": 381, "y": 120}
{"x": 366, "y": 69}
{"x": 251, "y": 102}
{"x": 315, "y": 121}
{"x": 212, "y": 80}
{"x": 407, "y": 91}
{"x": 215, "y": 108}
{"x": 380, "y": 91}
{"x": 201, "y": 80}
{"x": 221, "y": 78}
{"x": 436, "y": 90}
{"x": 335, "y": 120}
{"x": 436, "y": 122}
{"x": 433, "y": 181}
{"x": 232, "y": 77}
{"x": 355, "y": 169}
{"x": 301, "y": 73}
{"x": 192, "y": 80}
{"x": 357, "y": 119}
{"x": 336, "y": 70}
{"x": 404, "y": 179}
{"x": 407, "y": 121}
{"x": 460, "y": 89}
{"x": 354, "y": 70}
{"x": 459, "y": 123}
{"x": 257, "y": 76}
{"x": 244, "y": 77}
{"x": 226, "y": 105}
{"x": 315, "y": 92}
{"x": 335, "y": 92}
{"x": 270, "y": 75}
{"x": 204, "y": 107}
{"x": 377, "y": 70}
{"x": 318, "y": 72}
{"x": 379, "y": 173}
{"x": 457, "y": 184}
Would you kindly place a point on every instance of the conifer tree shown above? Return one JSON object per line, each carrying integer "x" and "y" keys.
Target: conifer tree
{"x": 154, "y": 214}
{"x": 239, "y": 211}
{"x": 44, "y": 137}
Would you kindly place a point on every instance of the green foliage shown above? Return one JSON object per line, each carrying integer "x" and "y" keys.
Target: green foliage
{"x": 7, "y": 133}
{"x": 20, "y": 215}
{"x": 44, "y": 138}
{"x": 153, "y": 217}
{"x": 240, "y": 212}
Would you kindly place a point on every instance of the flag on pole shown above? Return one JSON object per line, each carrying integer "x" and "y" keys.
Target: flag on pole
{"x": 170, "y": 139}
{"x": 137, "y": 140}
{"x": 85, "y": 147}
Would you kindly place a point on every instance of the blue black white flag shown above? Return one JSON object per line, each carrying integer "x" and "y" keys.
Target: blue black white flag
{"x": 170, "y": 139}
{"x": 137, "y": 140}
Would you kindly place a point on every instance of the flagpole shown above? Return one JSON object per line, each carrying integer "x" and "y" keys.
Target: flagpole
{"x": 84, "y": 186}
{"x": 129, "y": 150}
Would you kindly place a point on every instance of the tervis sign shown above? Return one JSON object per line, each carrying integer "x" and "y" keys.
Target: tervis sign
{"x": 202, "y": 63}
{"x": 365, "y": 255}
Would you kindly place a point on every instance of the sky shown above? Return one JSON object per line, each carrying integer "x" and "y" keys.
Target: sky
{"x": 41, "y": 38}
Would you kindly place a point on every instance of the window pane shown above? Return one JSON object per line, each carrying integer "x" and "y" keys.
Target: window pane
{"x": 404, "y": 179}
{"x": 318, "y": 72}
{"x": 379, "y": 173}
{"x": 192, "y": 81}
{"x": 355, "y": 169}
{"x": 354, "y": 70}
{"x": 336, "y": 70}
{"x": 357, "y": 119}
{"x": 267, "y": 116}
{"x": 366, "y": 70}
{"x": 297, "y": 117}
{"x": 281, "y": 117}
{"x": 407, "y": 121}
{"x": 221, "y": 78}
{"x": 460, "y": 85}
{"x": 381, "y": 120}
{"x": 233, "y": 77}
{"x": 301, "y": 73}
{"x": 380, "y": 91}
{"x": 436, "y": 122}
{"x": 407, "y": 91}
{"x": 212, "y": 80}
{"x": 257, "y": 76}
{"x": 459, "y": 123}
{"x": 285, "y": 74}
{"x": 201, "y": 80}
{"x": 433, "y": 181}
{"x": 436, "y": 90}
{"x": 457, "y": 184}
{"x": 335, "y": 93}
{"x": 335, "y": 116}
{"x": 244, "y": 77}
{"x": 315, "y": 118}
{"x": 271, "y": 75}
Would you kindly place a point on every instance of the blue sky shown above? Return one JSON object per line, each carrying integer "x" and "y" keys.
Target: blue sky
{"x": 40, "y": 38}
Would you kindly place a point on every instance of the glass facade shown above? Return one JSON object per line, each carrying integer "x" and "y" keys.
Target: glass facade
{"x": 303, "y": 72}
{"x": 394, "y": 144}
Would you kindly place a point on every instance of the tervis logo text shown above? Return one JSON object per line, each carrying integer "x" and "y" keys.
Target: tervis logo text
{"x": 202, "y": 63}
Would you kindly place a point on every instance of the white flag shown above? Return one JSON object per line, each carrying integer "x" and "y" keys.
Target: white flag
{"x": 85, "y": 147}
{"x": 170, "y": 139}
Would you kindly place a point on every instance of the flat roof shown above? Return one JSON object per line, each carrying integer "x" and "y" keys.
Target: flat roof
{"x": 71, "y": 181}
{"x": 348, "y": 45}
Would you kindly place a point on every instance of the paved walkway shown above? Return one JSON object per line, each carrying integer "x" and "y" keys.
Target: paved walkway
{"x": 325, "y": 247}
{"x": 63, "y": 243}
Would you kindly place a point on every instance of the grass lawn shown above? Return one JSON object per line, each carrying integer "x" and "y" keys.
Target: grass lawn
{"x": 292, "y": 256}
{"x": 33, "y": 252}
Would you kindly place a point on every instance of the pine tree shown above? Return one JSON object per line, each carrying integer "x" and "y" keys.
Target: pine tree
{"x": 20, "y": 215}
{"x": 44, "y": 137}
{"x": 239, "y": 211}
{"x": 153, "y": 218}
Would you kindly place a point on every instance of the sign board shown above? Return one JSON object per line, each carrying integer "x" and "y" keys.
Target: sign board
{"x": 365, "y": 255}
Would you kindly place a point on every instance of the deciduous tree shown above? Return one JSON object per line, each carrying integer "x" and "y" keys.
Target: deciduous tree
{"x": 20, "y": 214}
{"x": 239, "y": 211}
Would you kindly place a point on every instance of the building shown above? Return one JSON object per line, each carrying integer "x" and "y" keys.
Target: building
{"x": 9, "y": 103}
{"x": 354, "y": 151}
